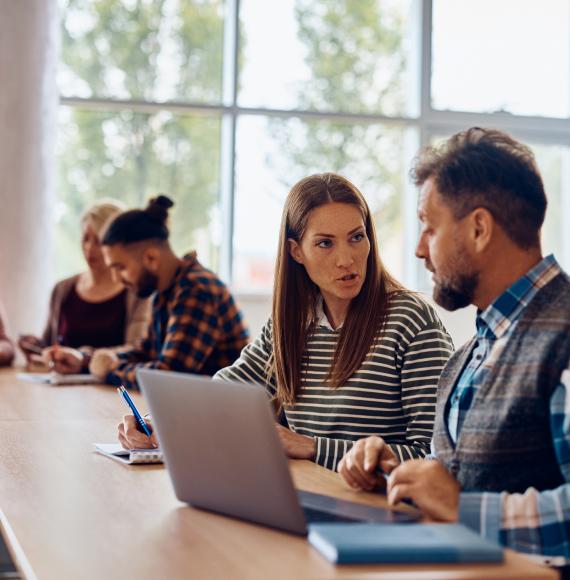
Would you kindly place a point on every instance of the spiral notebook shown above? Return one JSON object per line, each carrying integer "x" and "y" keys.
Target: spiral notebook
{"x": 133, "y": 456}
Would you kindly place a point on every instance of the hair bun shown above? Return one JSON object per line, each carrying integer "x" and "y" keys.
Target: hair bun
{"x": 158, "y": 207}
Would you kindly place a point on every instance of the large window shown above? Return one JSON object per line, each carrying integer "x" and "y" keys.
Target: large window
{"x": 129, "y": 155}
{"x": 223, "y": 105}
{"x": 512, "y": 55}
{"x": 274, "y": 153}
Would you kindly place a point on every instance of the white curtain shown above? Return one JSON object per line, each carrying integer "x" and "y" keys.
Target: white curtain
{"x": 29, "y": 41}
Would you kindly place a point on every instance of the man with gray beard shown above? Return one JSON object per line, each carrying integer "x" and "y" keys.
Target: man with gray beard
{"x": 502, "y": 430}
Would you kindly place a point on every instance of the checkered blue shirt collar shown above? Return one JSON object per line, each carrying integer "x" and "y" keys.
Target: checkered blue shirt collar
{"x": 497, "y": 318}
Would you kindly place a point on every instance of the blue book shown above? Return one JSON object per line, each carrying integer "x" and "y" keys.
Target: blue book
{"x": 401, "y": 543}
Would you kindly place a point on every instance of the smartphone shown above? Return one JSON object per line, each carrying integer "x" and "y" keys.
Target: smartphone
{"x": 30, "y": 347}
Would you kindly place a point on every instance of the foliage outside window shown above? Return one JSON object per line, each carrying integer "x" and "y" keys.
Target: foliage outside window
{"x": 155, "y": 99}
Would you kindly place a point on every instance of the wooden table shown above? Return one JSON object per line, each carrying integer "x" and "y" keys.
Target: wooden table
{"x": 77, "y": 514}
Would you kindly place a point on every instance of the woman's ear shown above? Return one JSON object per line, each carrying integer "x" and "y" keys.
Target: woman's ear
{"x": 295, "y": 250}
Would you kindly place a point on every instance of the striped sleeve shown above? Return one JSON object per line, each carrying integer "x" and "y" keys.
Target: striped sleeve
{"x": 418, "y": 346}
{"x": 423, "y": 361}
{"x": 329, "y": 451}
{"x": 251, "y": 366}
{"x": 534, "y": 522}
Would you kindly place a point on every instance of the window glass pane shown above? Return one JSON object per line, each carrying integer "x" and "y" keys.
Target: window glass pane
{"x": 554, "y": 163}
{"x": 131, "y": 157}
{"x": 274, "y": 153}
{"x": 350, "y": 55}
{"x": 512, "y": 55}
{"x": 150, "y": 50}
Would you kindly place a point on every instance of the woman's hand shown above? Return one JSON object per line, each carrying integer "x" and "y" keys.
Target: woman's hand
{"x": 63, "y": 359}
{"x": 103, "y": 362}
{"x": 296, "y": 446}
{"x": 131, "y": 438}
{"x": 358, "y": 467}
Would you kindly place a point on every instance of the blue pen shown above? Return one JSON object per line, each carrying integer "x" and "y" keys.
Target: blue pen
{"x": 144, "y": 427}
{"x": 378, "y": 471}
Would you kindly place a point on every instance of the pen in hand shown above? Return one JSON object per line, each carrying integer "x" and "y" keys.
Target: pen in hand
{"x": 55, "y": 349}
{"x": 142, "y": 426}
{"x": 51, "y": 362}
{"x": 378, "y": 471}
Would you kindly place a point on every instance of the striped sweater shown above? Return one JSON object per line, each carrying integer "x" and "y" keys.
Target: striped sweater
{"x": 391, "y": 395}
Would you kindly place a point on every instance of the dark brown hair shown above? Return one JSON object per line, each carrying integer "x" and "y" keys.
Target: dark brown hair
{"x": 138, "y": 225}
{"x": 295, "y": 296}
{"x": 488, "y": 168}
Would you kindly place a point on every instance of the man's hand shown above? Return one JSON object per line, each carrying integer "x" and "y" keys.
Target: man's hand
{"x": 429, "y": 485}
{"x": 296, "y": 446}
{"x": 358, "y": 466}
{"x": 103, "y": 362}
{"x": 63, "y": 359}
{"x": 131, "y": 438}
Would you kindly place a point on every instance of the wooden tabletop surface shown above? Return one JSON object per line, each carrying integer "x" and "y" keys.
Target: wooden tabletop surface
{"x": 77, "y": 514}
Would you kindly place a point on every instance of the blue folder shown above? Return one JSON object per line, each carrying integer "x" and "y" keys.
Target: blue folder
{"x": 401, "y": 543}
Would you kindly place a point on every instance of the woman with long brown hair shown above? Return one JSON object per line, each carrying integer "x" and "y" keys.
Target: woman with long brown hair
{"x": 348, "y": 352}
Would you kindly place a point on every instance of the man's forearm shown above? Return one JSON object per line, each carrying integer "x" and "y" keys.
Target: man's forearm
{"x": 532, "y": 522}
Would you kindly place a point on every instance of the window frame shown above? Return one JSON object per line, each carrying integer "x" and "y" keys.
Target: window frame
{"x": 427, "y": 124}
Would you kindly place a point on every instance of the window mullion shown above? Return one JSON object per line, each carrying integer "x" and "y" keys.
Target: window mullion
{"x": 228, "y": 135}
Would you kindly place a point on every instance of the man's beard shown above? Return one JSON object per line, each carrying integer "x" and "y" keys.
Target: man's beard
{"x": 147, "y": 284}
{"x": 456, "y": 293}
{"x": 456, "y": 290}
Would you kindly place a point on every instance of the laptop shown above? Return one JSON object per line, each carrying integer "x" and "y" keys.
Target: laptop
{"x": 223, "y": 455}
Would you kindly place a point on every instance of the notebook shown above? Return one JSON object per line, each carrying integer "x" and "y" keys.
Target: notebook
{"x": 58, "y": 379}
{"x": 116, "y": 452}
{"x": 401, "y": 543}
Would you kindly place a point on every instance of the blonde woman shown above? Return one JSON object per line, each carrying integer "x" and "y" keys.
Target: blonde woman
{"x": 348, "y": 351}
{"x": 91, "y": 309}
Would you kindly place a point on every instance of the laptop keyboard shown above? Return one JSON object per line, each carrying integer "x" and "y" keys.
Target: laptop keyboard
{"x": 313, "y": 516}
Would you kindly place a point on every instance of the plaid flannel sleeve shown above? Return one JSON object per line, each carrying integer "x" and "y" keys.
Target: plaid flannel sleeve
{"x": 142, "y": 351}
{"x": 533, "y": 522}
{"x": 193, "y": 330}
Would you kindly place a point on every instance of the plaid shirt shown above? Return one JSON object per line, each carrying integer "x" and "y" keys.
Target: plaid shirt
{"x": 196, "y": 327}
{"x": 494, "y": 326}
{"x": 534, "y": 522}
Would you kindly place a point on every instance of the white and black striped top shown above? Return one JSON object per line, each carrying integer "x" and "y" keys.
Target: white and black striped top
{"x": 392, "y": 394}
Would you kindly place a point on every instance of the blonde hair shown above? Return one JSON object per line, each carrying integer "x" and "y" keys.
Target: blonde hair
{"x": 101, "y": 213}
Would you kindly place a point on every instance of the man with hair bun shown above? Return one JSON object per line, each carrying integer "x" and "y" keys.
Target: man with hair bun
{"x": 196, "y": 326}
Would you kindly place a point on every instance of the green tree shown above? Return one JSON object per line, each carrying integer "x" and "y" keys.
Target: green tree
{"x": 356, "y": 54}
{"x": 139, "y": 50}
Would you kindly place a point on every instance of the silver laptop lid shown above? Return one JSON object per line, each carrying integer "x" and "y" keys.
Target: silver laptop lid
{"x": 221, "y": 447}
